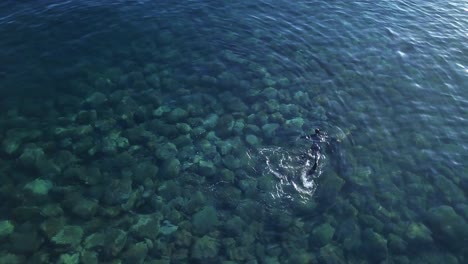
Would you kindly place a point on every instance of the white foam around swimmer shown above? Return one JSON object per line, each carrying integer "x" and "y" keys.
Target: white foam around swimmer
{"x": 291, "y": 170}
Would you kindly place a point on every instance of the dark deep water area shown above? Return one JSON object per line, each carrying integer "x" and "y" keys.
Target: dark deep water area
{"x": 172, "y": 131}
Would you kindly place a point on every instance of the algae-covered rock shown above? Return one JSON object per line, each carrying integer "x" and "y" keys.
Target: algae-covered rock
{"x": 38, "y": 188}
{"x": 8, "y": 258}
{"x": 233, "y": 103}
{"x": 252, "y": 140}
{"x": 283, "y": 220}
{"x": 302, "y": 257}
{"x": 269, "y": 93}
{"x": 322, "y": 234}
{"x": 205, "y": 248}
{"x": 362, "y": 176}
{"x": 166, "y": 151}
{"x": 249, "y": 187}
{"x": 350, "y": 234}
{"x": 183, "y": 238}
{"x": 183, "y": 128}
{"x": 396, "y": 243}
{"x": 68, "y": 236}
{"x": 86, "y": 117}
{"x": 447, "y": 226}
{"x": 170, "y": 169}
{"x": 227, "y": 176}
{"x": 154, "y": 80}
{"x": 234, "y": 226}
{"x": 105, "y": 126}
{"x": 6, "y": 228}
{"x": 331, "y": 254}
{"x": 329, "y": 187}
{"x": 266, "y": 183}
{"x": 177, "y": 115}
{"x": 89, "y": 257}
{"x": 15, "y": 138}
{"x": 160, "y": 111}
{"x": 206, "y": 168}
{"x": 69, "y": 259}
{"x": 239, "y": 254}
{"x": 371, "y": 221}
{"x": 346, "y": 208}
{"x": 436, "y": 257}
{"x": 167, "y": 228}
{"x": 51, "y": 226}
{"x": 250, "y": 211}
{"x": 295, "y": 123}
{"x": 231, "y": 162}
{"x": 145, "y": 170}
{"x": 25, "y": 242}
{"x": 11, "y": 146}
{"x": 75, "y": 132}
{"x": 92, "y": 176}
{"x": 252, "y": 129}
{"x": 147, "y": 226}
{"x": 375, "y": 244}
{"x": 27, "y": 213}
{"x": 269, "y": 129}
{"x": 136, "y": 253}
{"x": 238, "y": 127}
{"x": 272, "y": 260}
{"x": 31, "y": 156}
{"x": 205, "y": 220}
{"x": 451, "y": 191}
{"x": 110, "y": 242}
{"x": 85, "y": 208}
{"x": 118, "y": 191}
{"x": 114, "y": 143}
{"x": 96, "y": 99}
{"x": 418, "y": 234}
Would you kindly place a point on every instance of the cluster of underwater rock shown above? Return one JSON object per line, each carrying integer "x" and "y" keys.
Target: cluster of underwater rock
{"x": 149, "y": 170}
{"x": 125, "y": 177}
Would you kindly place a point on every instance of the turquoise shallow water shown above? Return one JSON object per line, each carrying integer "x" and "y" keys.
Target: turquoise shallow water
{"x": 161, "y": 132}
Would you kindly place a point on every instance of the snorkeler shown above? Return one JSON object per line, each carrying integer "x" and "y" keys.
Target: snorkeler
{"x": 314, "y": 153}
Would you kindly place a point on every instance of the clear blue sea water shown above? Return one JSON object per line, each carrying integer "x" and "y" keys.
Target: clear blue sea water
{"x": 172, "y": 131}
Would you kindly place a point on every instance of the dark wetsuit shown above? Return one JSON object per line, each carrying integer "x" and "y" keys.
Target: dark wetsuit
{"x": 314, "y": 153}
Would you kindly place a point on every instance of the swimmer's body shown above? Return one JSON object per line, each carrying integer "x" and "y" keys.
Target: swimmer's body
{"x": 314, "y": 152}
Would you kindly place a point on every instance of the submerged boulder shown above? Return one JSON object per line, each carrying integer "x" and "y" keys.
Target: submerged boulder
{"x": 177, "y": 115}
{"x": 136, "y": 253}
{"x": 6, "y": 228}
{"x": 69, "y": 259}
{"x": 205, "y": 220}
{"x": 418, "y": 234}
{"x": 68, "y": 236}
{"x": 205, "y": 248}
{"x": 447, "y": 226}
{"x": 38, "y": 188}
{"x": 322, "y": 234}
{"x": 25, "y": 242}
{"x": 269, "y": 129}
{"x": 147, "y": 226}
{"x": 95, "y": 100}
{"x": 170, "y": 169}
{"x": 109, "y": 242}
{"x": 85, "y": 208}
{"x": 166, "y": 151}
{"x": 376, "y": 245}
{"x": 331, "y": 254}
